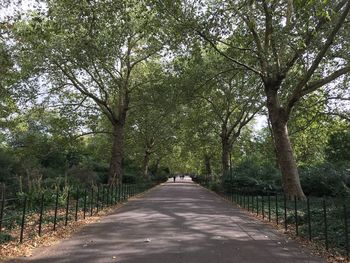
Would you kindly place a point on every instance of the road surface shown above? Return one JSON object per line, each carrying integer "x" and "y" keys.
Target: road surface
{"x": 177, "y": 222}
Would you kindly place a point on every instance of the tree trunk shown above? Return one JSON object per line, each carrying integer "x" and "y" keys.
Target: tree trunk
{"x": 225, "y": 155}
{"x": 207, "y": 165}
{"x": 116, "y": 166}
{"x": 284, "y": 150}
{"x": 145, "y": 164}
{"x": 157, "y": 165}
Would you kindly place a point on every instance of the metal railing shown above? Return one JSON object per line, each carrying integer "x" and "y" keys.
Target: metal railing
{"x": 26, "y": 215}
{"x": 321, "y": 220}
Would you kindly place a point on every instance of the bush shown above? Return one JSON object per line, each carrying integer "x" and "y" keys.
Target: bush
{"x": 161, "y": 176}
{"x": 254, "y": 177}
{"x": 325, "y": 180}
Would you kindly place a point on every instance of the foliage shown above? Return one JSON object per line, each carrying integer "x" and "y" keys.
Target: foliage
{"x": 337, "y": 149}
{"x": 326, "y": 180}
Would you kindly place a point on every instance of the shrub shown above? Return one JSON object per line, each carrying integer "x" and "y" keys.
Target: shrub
{"x": 325, "y": 180}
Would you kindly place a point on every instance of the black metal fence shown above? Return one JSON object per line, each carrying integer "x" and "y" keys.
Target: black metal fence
{"x": 23, "y": 216}
{"x": 324, "y": 221}
{"x": 321, "y": 220}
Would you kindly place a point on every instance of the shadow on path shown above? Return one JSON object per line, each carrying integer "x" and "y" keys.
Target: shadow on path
{"x": 176, "y": 222}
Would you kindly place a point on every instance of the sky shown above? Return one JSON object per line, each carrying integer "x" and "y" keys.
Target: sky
{"x": 18, "y": 5}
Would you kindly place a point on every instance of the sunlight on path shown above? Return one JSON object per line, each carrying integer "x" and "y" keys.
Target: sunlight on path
{"x": 176, "y": 223}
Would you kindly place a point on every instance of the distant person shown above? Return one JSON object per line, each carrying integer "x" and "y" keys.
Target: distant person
{"x": 174, "y": 177}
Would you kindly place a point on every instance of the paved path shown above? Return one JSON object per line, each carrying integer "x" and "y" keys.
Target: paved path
{"x": 176, "y": 223}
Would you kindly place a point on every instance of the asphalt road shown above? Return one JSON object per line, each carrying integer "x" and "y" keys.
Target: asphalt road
{"x": 176, "y": 223}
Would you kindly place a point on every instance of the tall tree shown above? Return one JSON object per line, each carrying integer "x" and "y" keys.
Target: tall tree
{"x": 91, "y": 51}
{"x": 228, "y": 97}
{"x": 153, "y": 118}
{"x": 295, "y": 47}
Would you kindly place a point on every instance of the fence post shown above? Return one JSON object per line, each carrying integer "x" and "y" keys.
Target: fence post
{"x": 56, "y": 207}
{"x": 107, "y": 202}
{"x": 269, "y": 201}
{"x": 41, "y": 213}
{"x": 325, "y": 223}
{"x": 248, "y": 205}
{"x": 23, "y": 219}
{"x": 67, "y": 208}
{"x": 77, "y": 205}
{"x": 2, "y": 205}
{"x": 346, "y": 232}
{"x": 309, "y": 217}
{"x": 84, "y": 212}
{"x": 103, "y": 197}
{"x": 257, "y": 204}
{"x": 276, "y": 199}
{"x": 262, "y": 206}
{"x": 97, "y": 198}
{"x": 92, "y": 201}
{"x": 285, "y": 212}
{"x": 296, "y": 216}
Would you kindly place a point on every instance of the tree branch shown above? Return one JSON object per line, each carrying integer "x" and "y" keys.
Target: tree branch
{"x": 226, "y": 56}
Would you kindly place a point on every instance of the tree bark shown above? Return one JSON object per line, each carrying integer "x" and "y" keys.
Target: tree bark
{"x": 157, "y": 164}
{"x": 145, "y": 164}
{"x": 116, "y": 163}
{"x": 207, "y": 165}
{"x": 284, "y": 150}
{"x": 225, "y": 155}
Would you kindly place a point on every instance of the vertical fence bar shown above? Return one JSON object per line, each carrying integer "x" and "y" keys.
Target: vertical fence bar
{"x": 92, "y": 201}
{"x": 285, "y": 212}
{"x": 3, "y": 195}
{"x": 55, "y": 217}
{"x": 67, "y": 208}
{"x": 296, "y": 216}
{"x": 325, "y": 222}
{"x": 97, "y": 198}
{"x": 84, "y": 207}
{"x": 107, "y": 202}
{"x": 41, "y": 213}
{"x": 77, "y": 205}
{"x": 23, "y": 219}
{"x": 269, "y": 204}
{"x": 346, "y": 231}
{"x": 276, "y": 202}
{"x": 262, "y": 206}
{"x": 103, "y": 197}
{"x": 248, "y": 201}
{"x": 309, "y": 218}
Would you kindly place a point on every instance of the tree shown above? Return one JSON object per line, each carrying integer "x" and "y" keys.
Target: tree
{"x": 295, "y": 47}
{"x": 152, "y": 122}
{"x": 227, "y": 97}
{"x": 91, "y": 52}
